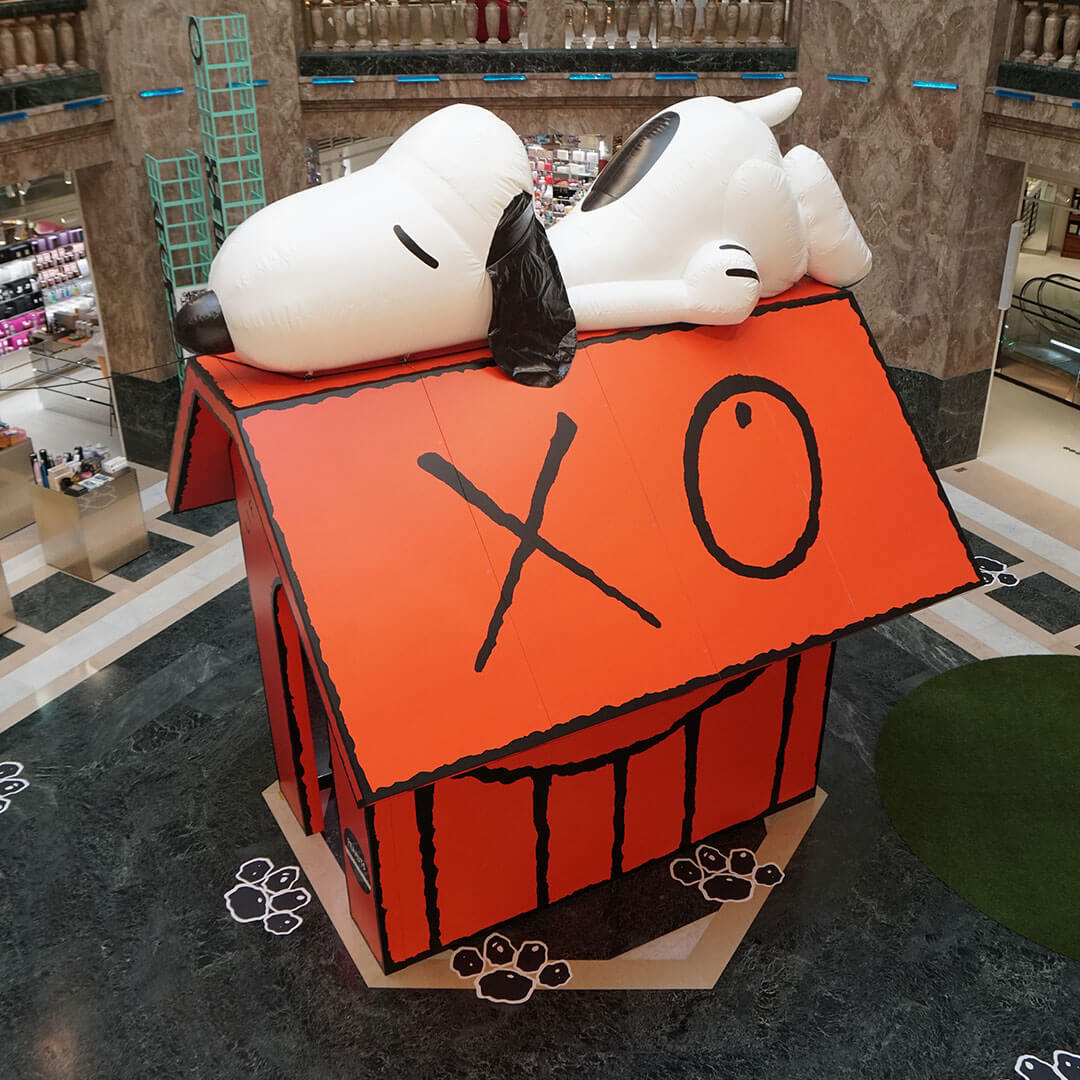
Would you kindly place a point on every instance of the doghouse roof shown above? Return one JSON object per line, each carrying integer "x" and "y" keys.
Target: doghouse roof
{"x": 478, "y": 567}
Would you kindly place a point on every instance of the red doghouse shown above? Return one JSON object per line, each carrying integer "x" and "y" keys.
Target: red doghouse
{"x": 531, "y": 639}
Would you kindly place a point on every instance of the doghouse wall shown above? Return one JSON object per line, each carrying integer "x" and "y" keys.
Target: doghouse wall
{"x": 282, "y": 664}
{"x": 471, "y": 851}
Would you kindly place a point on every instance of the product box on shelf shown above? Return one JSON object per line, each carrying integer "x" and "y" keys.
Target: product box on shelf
{"x": 510, "y": 705}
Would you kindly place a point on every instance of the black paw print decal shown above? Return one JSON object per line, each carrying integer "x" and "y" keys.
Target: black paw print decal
{"x": 268, "y": 896}
{"x": 10, "y": 782}
{"x": 1066, "y": 1066}
{"x": 508, "y": 975}
{"x": 725, "y": 879}
{"x": 993, "y": 572}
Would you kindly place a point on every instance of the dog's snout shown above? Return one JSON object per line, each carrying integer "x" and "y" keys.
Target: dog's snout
{"x": 200, "y": 325}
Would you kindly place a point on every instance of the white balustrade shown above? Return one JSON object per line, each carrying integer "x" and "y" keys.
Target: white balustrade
{"x": 41, "y": 46}
{"x": 1049, "y": 32}
{"x": 380, "y": 25}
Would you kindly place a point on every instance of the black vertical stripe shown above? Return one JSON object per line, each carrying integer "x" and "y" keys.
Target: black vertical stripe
{"x": 288, "y": 699}
{"x": 825, "y": 706}
{"x": 376, "y": 880}
{"x": 424, "y": 804}
{"x": 541, "y": 788}
{"x": 790, "y": 686}
{"x": 690, "y": 732}
{"x": 619, "y": 821}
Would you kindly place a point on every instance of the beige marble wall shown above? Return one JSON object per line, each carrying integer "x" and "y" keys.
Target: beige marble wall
{"x": 144, "y": 45}
{"x": 53, "y": 139}
{"x": 933, "y": 205}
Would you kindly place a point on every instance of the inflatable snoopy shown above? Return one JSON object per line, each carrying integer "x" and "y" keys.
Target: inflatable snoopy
{"x": 695, "y": 219}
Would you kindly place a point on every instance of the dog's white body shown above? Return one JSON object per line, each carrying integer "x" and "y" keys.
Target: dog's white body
{"x": 391, "y": 260}
{"x": 720, "y": 197}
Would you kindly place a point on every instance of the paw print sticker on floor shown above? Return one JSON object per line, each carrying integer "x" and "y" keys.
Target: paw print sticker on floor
{"x": 1065, "y": 1066}
{"x": 993, "y": 572}
{"x": 10, "y": 782}
{"x": 507, "y": 975}
{"x": 268, "y": 896}
{"x": 725, "y": 879}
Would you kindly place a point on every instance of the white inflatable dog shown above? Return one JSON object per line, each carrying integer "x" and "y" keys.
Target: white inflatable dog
{"x": 435, "y": 245}
{"x": 698, "y": 216}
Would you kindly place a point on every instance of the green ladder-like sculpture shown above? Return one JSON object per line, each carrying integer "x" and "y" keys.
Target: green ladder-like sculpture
{"x": 225, "y": 94}
{"x": 184, "y": 249}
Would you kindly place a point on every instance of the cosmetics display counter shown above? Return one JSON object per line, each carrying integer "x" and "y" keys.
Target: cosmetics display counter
{"x": 16, "y": 479}
{"x": 91, "y": 535}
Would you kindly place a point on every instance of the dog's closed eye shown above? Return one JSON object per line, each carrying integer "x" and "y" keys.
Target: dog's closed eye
{"x": 415, "y": 248}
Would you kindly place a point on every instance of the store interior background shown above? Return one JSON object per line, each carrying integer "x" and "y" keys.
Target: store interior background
{"x": 1032, "y": 424}
{"x": 54, "y": 379}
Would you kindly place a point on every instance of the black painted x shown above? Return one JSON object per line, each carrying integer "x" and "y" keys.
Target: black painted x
{"x": 527, "y": 531}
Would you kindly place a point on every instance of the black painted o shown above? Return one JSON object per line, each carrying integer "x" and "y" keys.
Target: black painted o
{"x": 710, "y": 401}
{"x": 195, "y": 40}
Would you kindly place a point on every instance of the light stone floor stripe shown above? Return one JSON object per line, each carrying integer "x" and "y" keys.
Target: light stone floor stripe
{"x": 44, "y": 676}
{"x": 1035, "y": 540}
{"x": 980, "y": 624}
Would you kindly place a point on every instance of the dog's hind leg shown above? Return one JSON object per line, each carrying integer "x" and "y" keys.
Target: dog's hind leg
{"x": 838, "y": 253}
{"x": 761, "y": 212}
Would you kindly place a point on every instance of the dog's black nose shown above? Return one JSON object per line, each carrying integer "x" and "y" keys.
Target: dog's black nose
{"x": 200, "y": 325}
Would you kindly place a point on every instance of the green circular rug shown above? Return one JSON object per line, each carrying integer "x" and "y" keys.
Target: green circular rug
{"x": 979, "y": 770}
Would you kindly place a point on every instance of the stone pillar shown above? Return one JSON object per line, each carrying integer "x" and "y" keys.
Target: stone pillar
{"x": 115, "y": 200}
{"x": 934, "y": 207}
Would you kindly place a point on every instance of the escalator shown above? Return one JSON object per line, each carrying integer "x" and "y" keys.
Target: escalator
{"x": 1040, "y": 337}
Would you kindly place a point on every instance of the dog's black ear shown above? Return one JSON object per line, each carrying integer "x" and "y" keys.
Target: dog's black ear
{"x": 533, "y": 332}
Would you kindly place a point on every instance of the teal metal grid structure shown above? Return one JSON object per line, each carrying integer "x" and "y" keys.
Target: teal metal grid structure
{"x": 225, "y": 95}
{"x": 184, "y": 249}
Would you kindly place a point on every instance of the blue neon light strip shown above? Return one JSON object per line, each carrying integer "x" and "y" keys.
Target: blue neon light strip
{"x": 254, "y": 82}
{"x": 504, "y": 78}
{"x": 675, "y": 78}
{"x": 581, "y": 76}
{"x": 848, "y": 78}
{"x": 331, "y": 80}
{"x": 85, "y": 103}
{"x": 762, "y": 74}
{"x": 168, "y": 91}
{"x": 1019, "y": 95}
{"x": 926, "y": 84}
{"x": 417, "y": 78}
{"x": 8, "y": 117}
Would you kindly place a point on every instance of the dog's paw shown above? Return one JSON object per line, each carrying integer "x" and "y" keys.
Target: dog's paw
{"x": 722, "y": 284}
{"x": 1066, "y": 1066}
{"x": 725, "y": 878}
{"x": 994, "y": 572}
{"x": 507, "y": 975}
{"x": 267, "y": 895}
{"x": 10, "y": 782}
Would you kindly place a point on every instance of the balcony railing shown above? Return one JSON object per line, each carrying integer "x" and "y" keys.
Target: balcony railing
{"x": 1041, "y": 54}
{"x": 334, "y": 27}
{"x": 45, "y": 53}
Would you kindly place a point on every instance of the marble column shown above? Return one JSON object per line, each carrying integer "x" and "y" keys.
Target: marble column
{"x": 142, "y": 44}
{"x": 934, "y": 207}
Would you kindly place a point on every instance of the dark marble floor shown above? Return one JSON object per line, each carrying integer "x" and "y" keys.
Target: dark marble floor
{"x": 54, "y": 600}
{"x": 163, "y": 549}
{"x": 1043, "y": 600}
{"x": 118, "y": 959}
{"x": 979, "y": 546}
{"x": 208, "y": 520}
{"x": 7, "y": 646}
